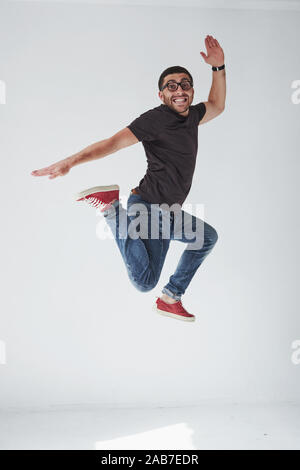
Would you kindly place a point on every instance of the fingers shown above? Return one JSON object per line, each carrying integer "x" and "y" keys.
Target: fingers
{"x": 207, "y": 44}
{"x": 38, "y": 172}
{"x": 55, "y": 173}
{"x": 49, "y": 170}
{"x": 46, "y": 171}
{"x": 42, "y": 171}
{"x": 211, "y": 41}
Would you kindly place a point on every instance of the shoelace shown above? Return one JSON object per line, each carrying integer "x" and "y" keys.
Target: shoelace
{"x": 180, "y": 305}
{"x": 94, "y": 201}
{"x": 178, "y": 302}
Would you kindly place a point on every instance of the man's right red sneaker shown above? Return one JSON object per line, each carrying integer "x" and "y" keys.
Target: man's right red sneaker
{"x": 175, "y": 310}
{"x": 99, "y": 196}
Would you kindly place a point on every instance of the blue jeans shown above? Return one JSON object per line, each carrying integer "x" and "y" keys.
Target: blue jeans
{"x": 144, "y": 255}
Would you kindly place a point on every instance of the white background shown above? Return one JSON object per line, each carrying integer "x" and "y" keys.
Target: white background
{"x": 75, "y": 329}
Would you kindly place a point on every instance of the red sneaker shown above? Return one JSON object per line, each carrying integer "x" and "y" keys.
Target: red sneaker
{"x": 175, "y": 310}
{"x": 99, "y": 196}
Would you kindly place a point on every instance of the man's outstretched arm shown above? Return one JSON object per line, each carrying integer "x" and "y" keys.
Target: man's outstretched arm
{"x": 215, "y": 104}
{"x": 121, "y": 139}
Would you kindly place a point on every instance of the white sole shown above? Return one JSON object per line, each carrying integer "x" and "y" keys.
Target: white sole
{"x": 96, "y": 189}
{"x": 172, "y": 315}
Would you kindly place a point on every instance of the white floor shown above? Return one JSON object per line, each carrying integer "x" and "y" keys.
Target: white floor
{"x": 237, "y": 426}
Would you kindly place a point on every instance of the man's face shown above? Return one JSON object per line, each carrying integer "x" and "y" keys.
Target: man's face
{"x": 171, "y": 98}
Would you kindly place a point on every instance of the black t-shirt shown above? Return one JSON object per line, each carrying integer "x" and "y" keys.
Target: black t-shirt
{"x": 171, "y": 143}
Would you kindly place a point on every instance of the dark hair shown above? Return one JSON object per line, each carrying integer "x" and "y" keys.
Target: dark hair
{"x": 168, "y": 71}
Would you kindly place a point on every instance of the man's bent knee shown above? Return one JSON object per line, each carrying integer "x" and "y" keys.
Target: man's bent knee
{"x": 212, "y": 234}
{"x": 142, "y": 287}
{"x": 150, "y": 284}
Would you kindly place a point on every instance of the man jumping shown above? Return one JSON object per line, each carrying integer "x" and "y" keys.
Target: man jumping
{"x": 169, "y": 134}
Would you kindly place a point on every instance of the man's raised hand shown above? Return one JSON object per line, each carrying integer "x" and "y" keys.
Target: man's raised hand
{"x": 215, "y": 53}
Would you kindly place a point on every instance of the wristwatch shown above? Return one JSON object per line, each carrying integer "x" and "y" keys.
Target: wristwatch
{"x": 218, "y": 68}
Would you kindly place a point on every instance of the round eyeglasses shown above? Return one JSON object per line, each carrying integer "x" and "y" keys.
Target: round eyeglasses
{"x": 173, "y": 86}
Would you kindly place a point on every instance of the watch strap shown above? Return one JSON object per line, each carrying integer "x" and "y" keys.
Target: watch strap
{"x": 218, "y": 68}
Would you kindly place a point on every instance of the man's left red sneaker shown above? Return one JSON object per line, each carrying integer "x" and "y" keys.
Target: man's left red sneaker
{"x": 175, "y": 310}
{"x": 100, "y": 197}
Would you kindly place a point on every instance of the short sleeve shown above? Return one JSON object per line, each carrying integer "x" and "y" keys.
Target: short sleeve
{"x": 201, "y": 110}
{"x": 146, "y": 127}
